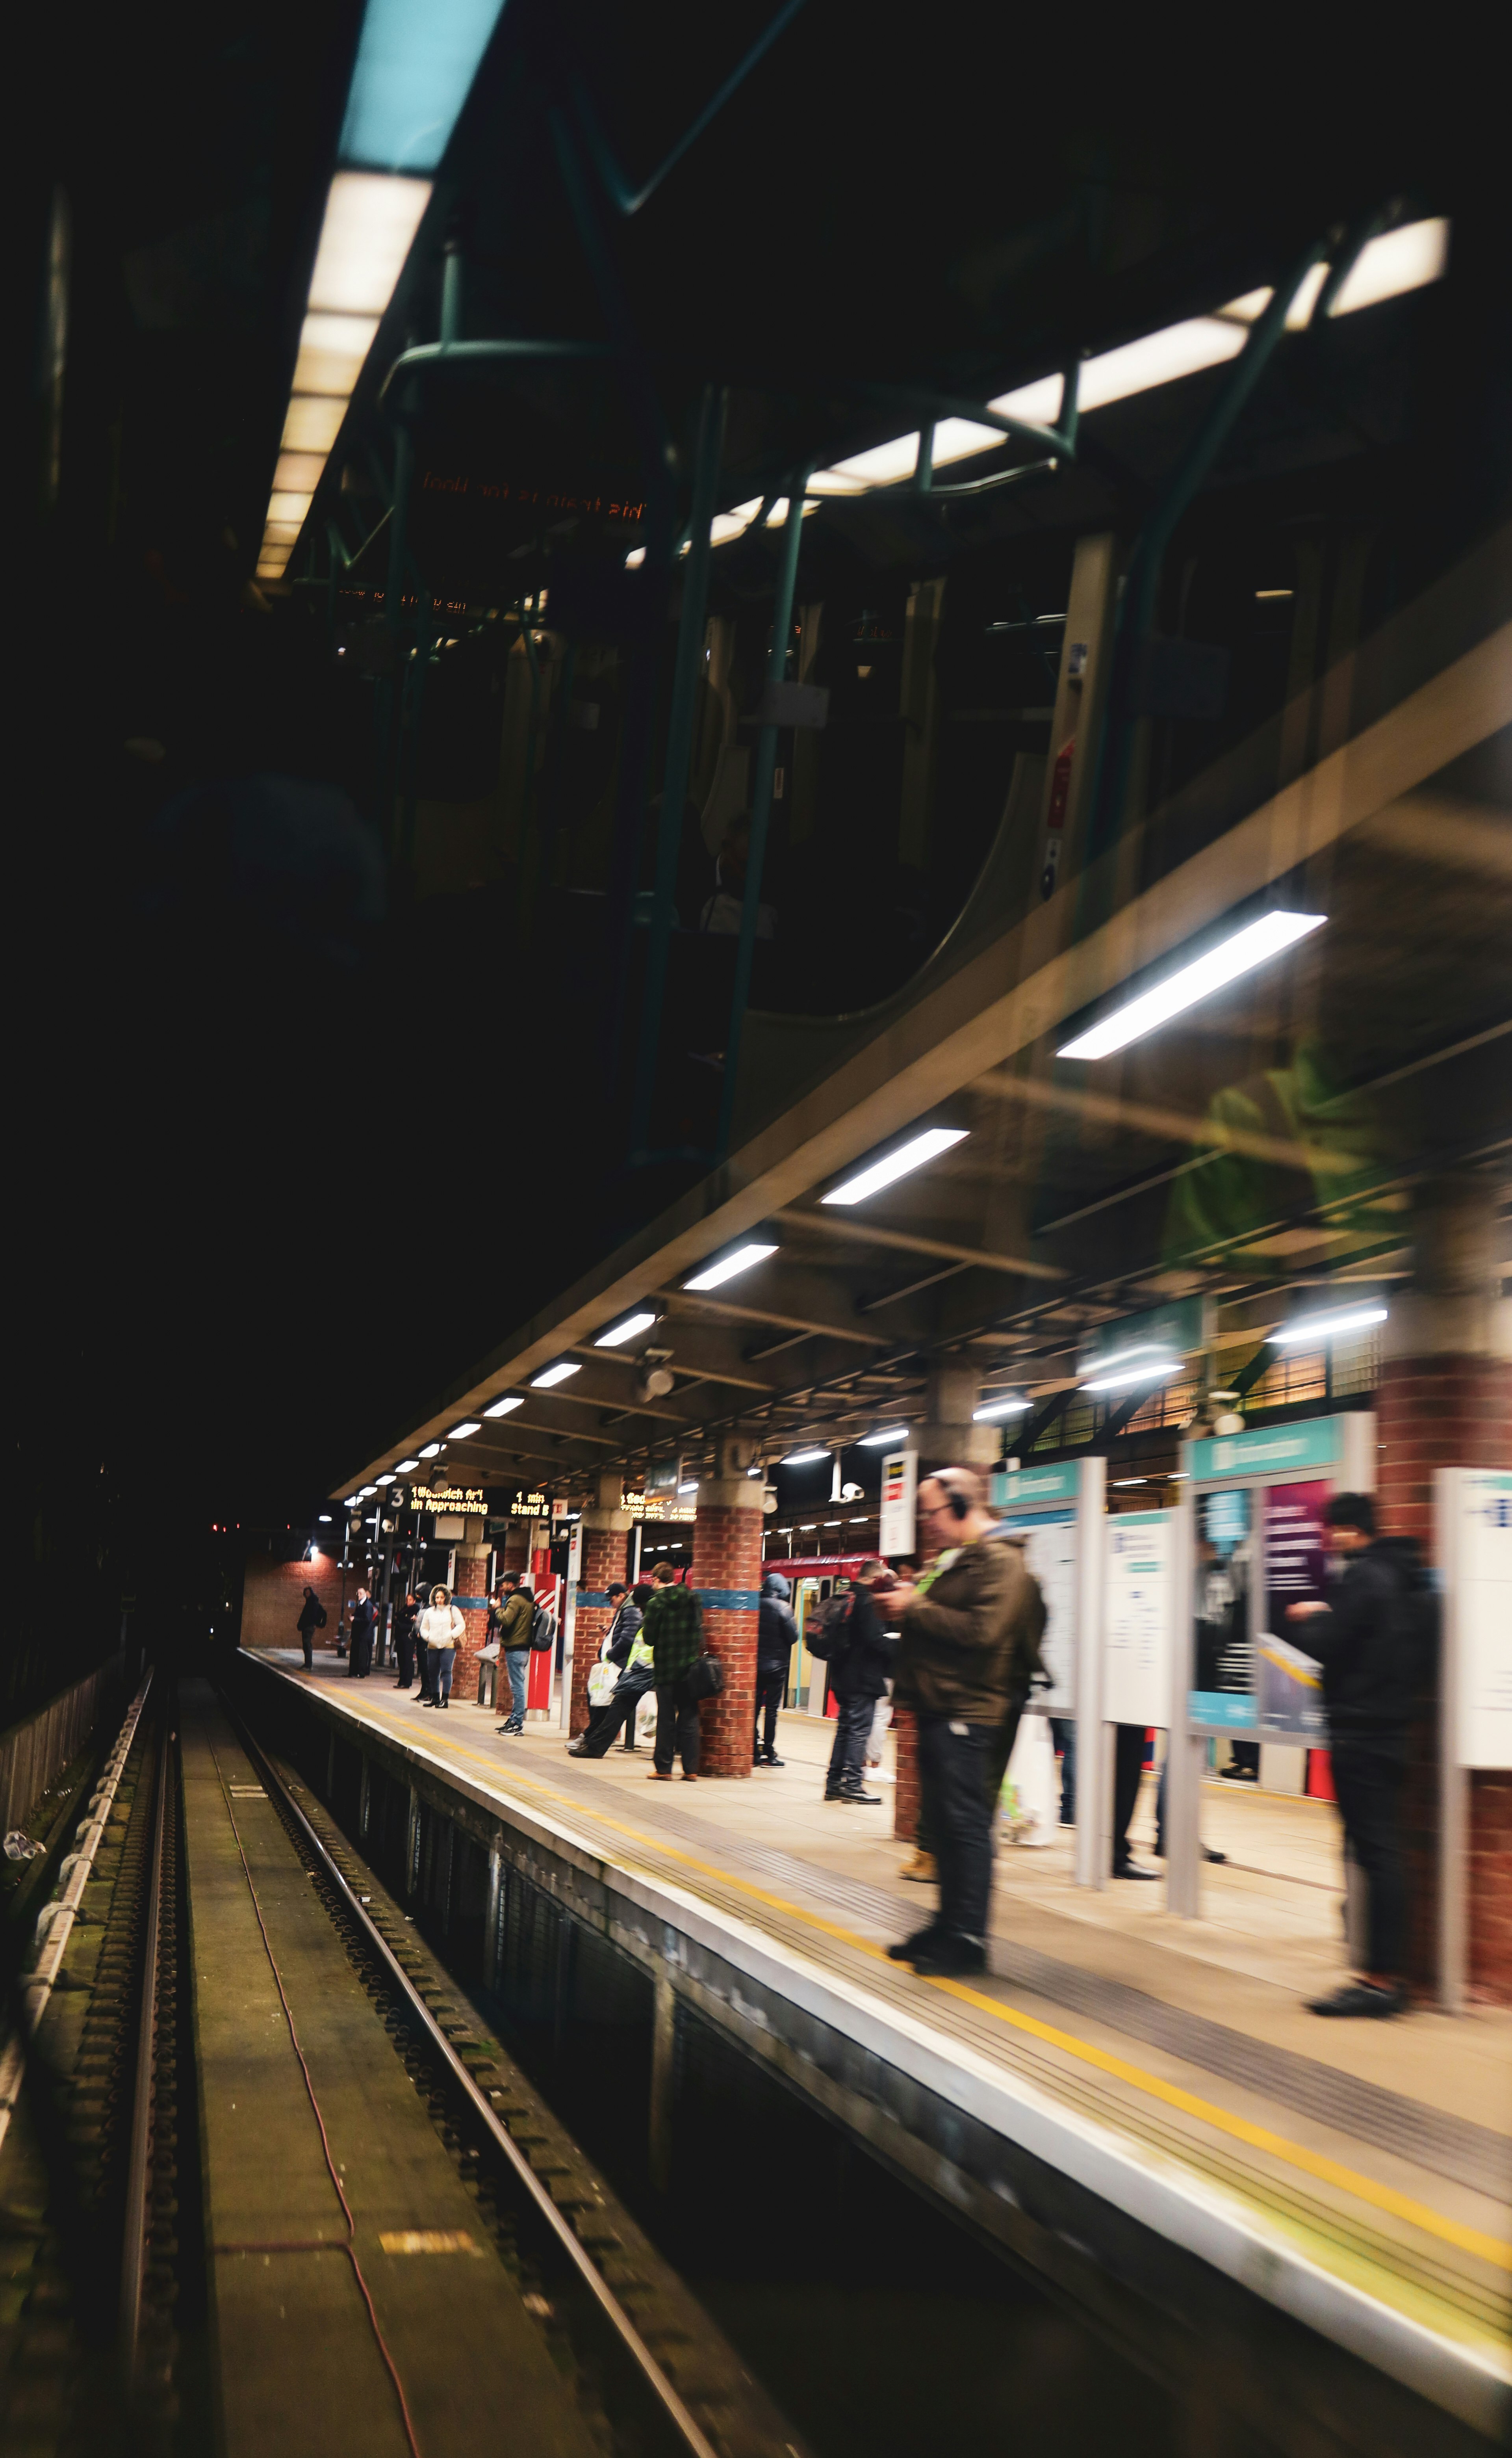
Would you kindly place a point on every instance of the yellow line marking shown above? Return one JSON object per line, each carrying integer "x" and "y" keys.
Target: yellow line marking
{"x": 1259, "y": 2138}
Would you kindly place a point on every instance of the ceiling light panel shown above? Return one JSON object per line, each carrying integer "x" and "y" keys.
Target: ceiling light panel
{"x": 1327, "y": 1327}
{"x": 502, "y": 1408}
{"x": 554, "y": 1374}
{"x": 313, "y": 422}
{"x": 893, "y": 1165}
{"x": 1235, "y": 956}
{"x": 740, "y": 1259}
{"x": 630, "y": 1329}
{"x": 413, "y": 72}
{"x": 460, "y": 1433}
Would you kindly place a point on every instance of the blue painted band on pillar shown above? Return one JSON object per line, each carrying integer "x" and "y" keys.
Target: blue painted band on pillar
{"x": 472, "y": 1604}
{"x": 594, "y": 1596}
{"x": 729, "y": 1599}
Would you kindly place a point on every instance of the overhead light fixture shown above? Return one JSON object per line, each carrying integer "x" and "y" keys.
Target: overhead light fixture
{"x": 554, "y": 1374}
{"x": 502, "y": 1408}
{"x": 634, "y": 1324}
{"x": 460, "y": 1433}
{"x": 692, "y": 1486}
{"x": 1327, "y": 1326}
{"x": 413, "y": 72}
{"x": 350, "y": 1504}
{"x": 325, "y": 1519}
{"x": 386, "y": 1479}
{"x": 894, "y": 1165}
{"x": 1116, "y": 1373}
{"x": 405, "y": 1466}
{"x": 430, "y": 1450}
{"x": 1130, "y": 1479}
{"x": 740, "y": 1260}
{"x": 888, "y": 1434}
{"x": 992, "y": 1408}
{"x": 1255, "y": 945}
{"x": 804, "y": 1459}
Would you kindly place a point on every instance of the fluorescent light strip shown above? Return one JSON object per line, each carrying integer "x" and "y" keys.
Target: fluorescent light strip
{"x": 619, "y": 1332}
{"x": 554, "y": 1374}
{"x": 383, "y": 1480}
{"x": 715, "y": 1275}
{"x": 430, "y": 1450}
{"x": 460, "y": 1433}
{"x": 803, "y": 1459}
{"x": 502, "y": 1408}
{"x": 889, "y": 1435}
{"x": 1327, "y": 1326}
{"x": 1155, "y": 1369}
{"x": 404, "y": 1466}
{"x": 999, "y": 1408}
{"x": 894, "y": 1165}
{"x": 1255, "y": 945}
{"x": 1397, "y": 262}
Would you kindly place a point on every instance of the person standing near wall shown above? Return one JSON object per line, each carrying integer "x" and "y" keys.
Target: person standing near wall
{"x": 364, "y": 1617}
{"x": 312, "y": 1617}
{"x": 775, "y": 1633}
{"x": 514, "y": 1612}
{"x": 443, "y": 1629}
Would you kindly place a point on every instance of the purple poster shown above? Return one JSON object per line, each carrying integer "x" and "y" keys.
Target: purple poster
{"x": 1291, "y": 1698}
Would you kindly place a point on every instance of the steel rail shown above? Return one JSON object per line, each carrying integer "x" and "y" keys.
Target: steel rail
{"x": 139, "y": 2172}
{"x": 440, "y": 2048}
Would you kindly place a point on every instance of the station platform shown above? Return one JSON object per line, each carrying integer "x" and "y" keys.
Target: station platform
{"x": 1356, "y": 2178}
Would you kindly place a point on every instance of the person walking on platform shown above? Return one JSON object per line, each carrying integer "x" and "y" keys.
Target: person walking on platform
{"x": 674, "y": 1632}
{"x": 443, "y": 1629}
{"x": 514, "y": 1611}
{"x": 364, "y": 1619}
{"x": 964, "y": 1623}
{"x": 405, "y": 1621}
{"x": 312, "y": 1617}
{"x": 624, "y": 1645}
{"x": 858, "y": 1669}
{"x": 775, "y": 1633}
{"x": 1359, "y": 1641}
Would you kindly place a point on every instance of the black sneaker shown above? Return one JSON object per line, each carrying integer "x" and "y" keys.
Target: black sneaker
{"x": 1361, "y": 1997}
{"x": 859, "y": 1799}
{"x": 951, "y": 1957}
{"x": 920, "y": 1941}
{"x": 1132, "y": 1869}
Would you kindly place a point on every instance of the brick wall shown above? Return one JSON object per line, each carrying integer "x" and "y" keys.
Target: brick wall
{"x": 272, "y": 1593}
{"x": 603, "y": 1560}
{"x": 905, "y": 1795}
{"x": 472, "y": 1572}
{"x": 1433, "y": 1412}
{"x": 727, "y": 1557}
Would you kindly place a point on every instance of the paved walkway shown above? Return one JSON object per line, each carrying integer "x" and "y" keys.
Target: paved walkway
{"x": 1382, "y": 2153}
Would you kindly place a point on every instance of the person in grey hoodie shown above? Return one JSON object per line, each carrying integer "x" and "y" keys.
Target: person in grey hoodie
{"x": 775, "y": 1633}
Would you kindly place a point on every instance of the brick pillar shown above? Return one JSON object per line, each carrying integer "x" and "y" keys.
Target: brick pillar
{"x": 472, "y": 1600}
{"x": 604, "y": 1533}
{"x": 1446, "y": 1401}
{"x": 906, "y": 1794}
{"x": 727, "y": 1573}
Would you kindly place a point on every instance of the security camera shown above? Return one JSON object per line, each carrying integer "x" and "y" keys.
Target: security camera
{"x": 769, "y": 1499}
{"x": 654, "y": 1383}
{"x": 849, "y": 1493}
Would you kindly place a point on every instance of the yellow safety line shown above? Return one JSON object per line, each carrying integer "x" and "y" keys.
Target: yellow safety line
{"x": 1259, "y": 2138}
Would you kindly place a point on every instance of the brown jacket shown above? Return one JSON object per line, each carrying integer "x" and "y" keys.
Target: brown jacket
{"x": 965, "y": 1643}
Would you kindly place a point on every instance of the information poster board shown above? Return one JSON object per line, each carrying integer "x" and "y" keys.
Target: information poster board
{"x": 1478, "y": 1558}
{"x": 1049, "y": 1551}
{"x": 1222, "y": 1696}
{"x": 1139, "y": 1605}
{"x": 1289, "y": 1683}
{"x": 894, "y": 1532}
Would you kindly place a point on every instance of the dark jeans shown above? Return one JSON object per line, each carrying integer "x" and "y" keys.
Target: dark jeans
{"x": 362, "y": 1655}
{"x": 605, "y": 1723}
{"x": 1129, "y": 1765}
{"x": 771, "y": 1689}
{"x": 1062, "y": 1730}
{"x": 952, "y": 1784}
{"x": 994, "y": 1773}
{"x": 1369, "y": 1784}
{"x": 307, "y": 1642}
{"x": 443, "y": 1661}
{"x": 406, "y": 1643}
{"x": 847, "y": 1759}
{"x": 517, "y": 1665}
{"x": 676, "y": 1725}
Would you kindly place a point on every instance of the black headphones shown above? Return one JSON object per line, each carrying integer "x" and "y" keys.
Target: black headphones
{"x": 960, "y": 1503}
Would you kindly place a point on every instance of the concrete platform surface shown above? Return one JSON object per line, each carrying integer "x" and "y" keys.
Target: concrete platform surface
{"x": 1378, "y": 2158}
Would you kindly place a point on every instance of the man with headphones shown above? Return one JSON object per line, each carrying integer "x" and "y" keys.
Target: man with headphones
{"x": 963, "y": 1628}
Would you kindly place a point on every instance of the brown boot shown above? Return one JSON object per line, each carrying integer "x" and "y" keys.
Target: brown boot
{"x": 921, "y": 1867}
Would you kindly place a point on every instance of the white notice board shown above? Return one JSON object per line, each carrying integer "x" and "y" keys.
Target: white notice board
{"x": 1139, "y": 1609}
{"x": 895, "y": 1533}
{"x": 1475, "y": 1547}
{"x": 1050, "y": 1553}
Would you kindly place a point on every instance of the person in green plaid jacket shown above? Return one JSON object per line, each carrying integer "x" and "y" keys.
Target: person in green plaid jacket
{"x": 673, "y": 1631}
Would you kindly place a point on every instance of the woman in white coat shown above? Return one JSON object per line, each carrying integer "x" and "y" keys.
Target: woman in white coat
{"x": 442, "y": 1629}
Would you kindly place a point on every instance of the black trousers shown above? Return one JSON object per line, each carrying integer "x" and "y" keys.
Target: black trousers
{"x": 994, "y": 1773}
{"x": 1129, "y": 1765}
{"x": 406, "y": 1654}
{"x": 307, "y": 1642}
{"x": 604, "y": 1721}
{"x": 1369, "y": 1785}
{"x": 771, "y": 1689}
{"x": 676, "y": 1727}
{"x": 953, "y": 1795}
{"x": 848, "y": 1758}
{"x": 361, "y": 1655}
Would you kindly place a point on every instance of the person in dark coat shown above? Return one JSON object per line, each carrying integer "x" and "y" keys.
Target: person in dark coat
{"x": 1367, "y": 1697}
{"x": 775, "y": 1633}
{"x": 624, "y": 1647}
{"x": 407, "y": 1619}
{"x": 312, "y": 1617}
{"x": 859, "y": 1671}
{"x": 365, "y": 1621}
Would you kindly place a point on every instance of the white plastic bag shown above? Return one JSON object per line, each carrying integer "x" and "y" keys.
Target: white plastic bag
{"x": 601, "y": 1682}
{"x": 1031, "y": 1787}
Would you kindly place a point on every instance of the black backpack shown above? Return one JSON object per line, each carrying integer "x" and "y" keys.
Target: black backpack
{"x": 829, "y": 1636}
{"x": 543, "y": 1628}
{"x": 1416, "y": 1620}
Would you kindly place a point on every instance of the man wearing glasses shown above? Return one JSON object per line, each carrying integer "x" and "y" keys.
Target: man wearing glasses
{"x": 964, "y": 1625}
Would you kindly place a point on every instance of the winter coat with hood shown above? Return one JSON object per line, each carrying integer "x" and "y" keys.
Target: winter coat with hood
{"x": 776, "y": 1630}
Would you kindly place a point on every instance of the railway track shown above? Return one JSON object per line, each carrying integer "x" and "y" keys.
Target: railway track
{"x": 216, "y": 1951}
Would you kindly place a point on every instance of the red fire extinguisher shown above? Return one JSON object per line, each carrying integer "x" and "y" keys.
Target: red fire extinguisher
{"x": 1055, "y": 816}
